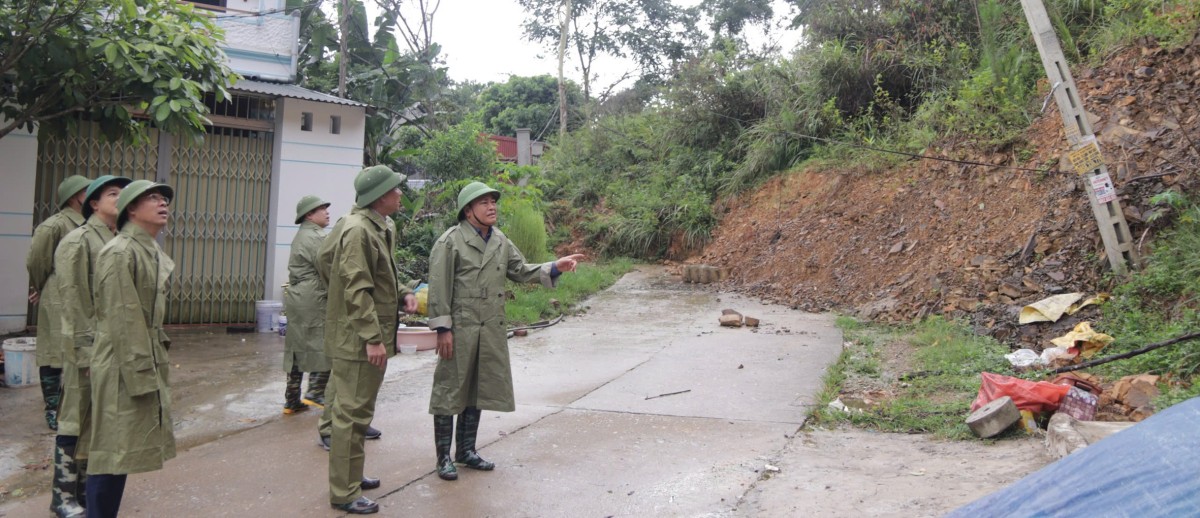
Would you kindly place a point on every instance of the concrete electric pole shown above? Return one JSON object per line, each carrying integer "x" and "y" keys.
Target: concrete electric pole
{"x": 1085, "y": 150}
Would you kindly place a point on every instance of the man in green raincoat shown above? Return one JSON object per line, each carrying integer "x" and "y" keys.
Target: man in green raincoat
{"x": 467, "y": 269}
{"x": 360, "y": 332}
{"x": 74, "y": 266}
{"x": 132, "y": 429}
{"x": 304, "y": 345}
{"x": 44, "y": 292}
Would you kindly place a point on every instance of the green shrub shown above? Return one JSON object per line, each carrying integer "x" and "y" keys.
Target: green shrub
{"x": 524, "y": 226}
{"x": 457, "y": 153}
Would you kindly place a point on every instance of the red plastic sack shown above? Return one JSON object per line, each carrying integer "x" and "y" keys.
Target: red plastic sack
{"x": 1034, "y": 396}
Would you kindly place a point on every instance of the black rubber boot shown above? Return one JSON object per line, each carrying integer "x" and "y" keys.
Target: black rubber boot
{"x": 51, "y": 379}
{"x": 66, "y": 479}
{"x": 443, "y": 430}
{"x": 465, "y": 433}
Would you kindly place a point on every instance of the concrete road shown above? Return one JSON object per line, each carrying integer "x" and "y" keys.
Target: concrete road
{"x": 594, "y": 433}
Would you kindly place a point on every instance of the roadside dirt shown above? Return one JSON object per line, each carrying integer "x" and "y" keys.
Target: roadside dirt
{"x": 848, "y": 472}
{"x": 973, "y": 242}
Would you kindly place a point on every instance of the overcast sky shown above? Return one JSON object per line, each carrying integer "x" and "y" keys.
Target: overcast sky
{"x": 482, "y": 41}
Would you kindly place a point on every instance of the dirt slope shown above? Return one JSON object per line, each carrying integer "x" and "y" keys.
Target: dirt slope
{"x": 939, "y": 238}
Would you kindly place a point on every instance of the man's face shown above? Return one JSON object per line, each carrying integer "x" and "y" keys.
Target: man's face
{"x": 388, "y": 204}
{"x": 483, "y": 210}
{"x": 319, "y": 216}
{"x": 106, "y": 204}
{"x": 152, "y": 208}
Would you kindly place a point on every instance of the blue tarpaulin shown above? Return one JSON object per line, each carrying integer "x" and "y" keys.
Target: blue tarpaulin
{"x": 1149, "y": 469}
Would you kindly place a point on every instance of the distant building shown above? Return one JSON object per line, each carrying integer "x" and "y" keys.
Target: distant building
{"x": 233, "y": 220}
{"x": 520, "y": 150}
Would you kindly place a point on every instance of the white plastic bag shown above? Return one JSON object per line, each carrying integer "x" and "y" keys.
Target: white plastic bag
{"x": 1023, "y": 359}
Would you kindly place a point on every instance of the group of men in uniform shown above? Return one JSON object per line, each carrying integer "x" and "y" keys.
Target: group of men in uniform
{"x": 100, "y": 281}
{"x": 357, "y": 279}
{"x": 101, "y": 288}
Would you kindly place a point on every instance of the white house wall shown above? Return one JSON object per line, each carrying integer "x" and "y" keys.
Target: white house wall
{"x": 310, "y": 162}
{"x": 260, "y": 43}
{"x": 19, "y": 171}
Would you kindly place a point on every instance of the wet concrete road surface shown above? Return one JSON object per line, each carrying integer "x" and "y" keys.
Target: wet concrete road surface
{"x": 589, "y": 436}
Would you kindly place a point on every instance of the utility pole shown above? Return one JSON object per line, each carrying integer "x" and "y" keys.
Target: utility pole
{"x": 1085, "y": 150}
{"x": 562, "y": 85}
{"x": 343, "y": 46}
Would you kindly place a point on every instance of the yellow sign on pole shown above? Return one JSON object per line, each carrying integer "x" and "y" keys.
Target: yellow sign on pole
{"x": 1087, "y": 157}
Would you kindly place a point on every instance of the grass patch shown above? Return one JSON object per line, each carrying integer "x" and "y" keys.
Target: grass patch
{"x": 935, "y": 396}
{"x": 531, "y": 303}
{"x": 1158, "y": 303}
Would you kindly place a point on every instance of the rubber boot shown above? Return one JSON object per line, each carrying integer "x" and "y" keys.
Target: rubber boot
{"x": 443, "y": 430}
{"x": 465, "y": 433}
{"x": 51, "y": 379}
{"x": 291, "y": 394}
{"x": 316, "y": 389}
{"x": 62, "y": 495}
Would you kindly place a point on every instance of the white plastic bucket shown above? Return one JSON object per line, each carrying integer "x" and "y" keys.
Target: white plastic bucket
{"x": 266, "y": 312}
{"x": 20, "y": 362}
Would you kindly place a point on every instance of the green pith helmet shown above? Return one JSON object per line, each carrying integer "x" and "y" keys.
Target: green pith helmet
{"x": 472, "y": 191}
{"x": 97, "y": 185}
{"x": 308, "y": 204}
{"x": 373, "y": 182}
{"x": 138, "y": 188}
{"x": 71, "y": 186}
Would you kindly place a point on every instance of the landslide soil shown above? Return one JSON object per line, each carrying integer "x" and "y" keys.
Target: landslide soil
{"x": 930, "y": 237}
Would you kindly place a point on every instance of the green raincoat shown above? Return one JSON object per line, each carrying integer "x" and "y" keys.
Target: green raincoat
{"x": 40, "y": 264}
{"x": 305, "y": 304}
{"x": 74, "y": 264}
{"x": 363, "y": 306}
{"x": 132, "y": 430}
{"x": 466, "y": 295}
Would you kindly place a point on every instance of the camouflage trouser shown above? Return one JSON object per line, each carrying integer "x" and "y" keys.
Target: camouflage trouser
{"x": 316, "y": 387}
{"x": 51, "y": 379}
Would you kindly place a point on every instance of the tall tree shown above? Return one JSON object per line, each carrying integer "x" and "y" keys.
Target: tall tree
{"x": 400, "y": 85}
{"x": 110, "y": 61}
{"x": 729, "y": 17}
{"x": 526, "y": 102}
{"x": 655, "y": 34}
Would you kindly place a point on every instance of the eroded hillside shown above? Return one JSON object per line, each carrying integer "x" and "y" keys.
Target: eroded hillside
{"x": 932, "y": 237}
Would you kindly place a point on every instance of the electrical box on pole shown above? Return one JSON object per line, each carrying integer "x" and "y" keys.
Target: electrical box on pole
{"x": 1085, "y": 150}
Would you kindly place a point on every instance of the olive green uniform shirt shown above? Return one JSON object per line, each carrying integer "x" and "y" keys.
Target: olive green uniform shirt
{"x": 75, "y": 266}
{"x": 359, "y": 265}
{"x": 305, "y": 304}
{"x": 132, "y": 430}
{"x": 467, "y": 295}
{"x": 40, "y": 265}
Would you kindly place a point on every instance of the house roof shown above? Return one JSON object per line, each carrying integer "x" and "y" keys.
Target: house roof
{"x": 290, "y": 90}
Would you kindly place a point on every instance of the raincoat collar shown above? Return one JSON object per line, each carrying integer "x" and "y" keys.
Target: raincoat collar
{"x": 75, "y": 217}
{"x": 310, "y": 225}
{"x": 139, "y": 236}
{"x": 95, "y": 224}
{"x": 378, "y": 219}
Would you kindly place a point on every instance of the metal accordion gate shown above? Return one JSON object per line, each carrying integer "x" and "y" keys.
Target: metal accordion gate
{"x": 217, "y": 235}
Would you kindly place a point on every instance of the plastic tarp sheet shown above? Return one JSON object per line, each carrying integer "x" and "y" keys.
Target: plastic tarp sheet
{"x": 1150, "y": 469}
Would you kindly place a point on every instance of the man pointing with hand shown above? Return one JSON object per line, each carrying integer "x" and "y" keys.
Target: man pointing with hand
{"x": 467, "y": 269}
